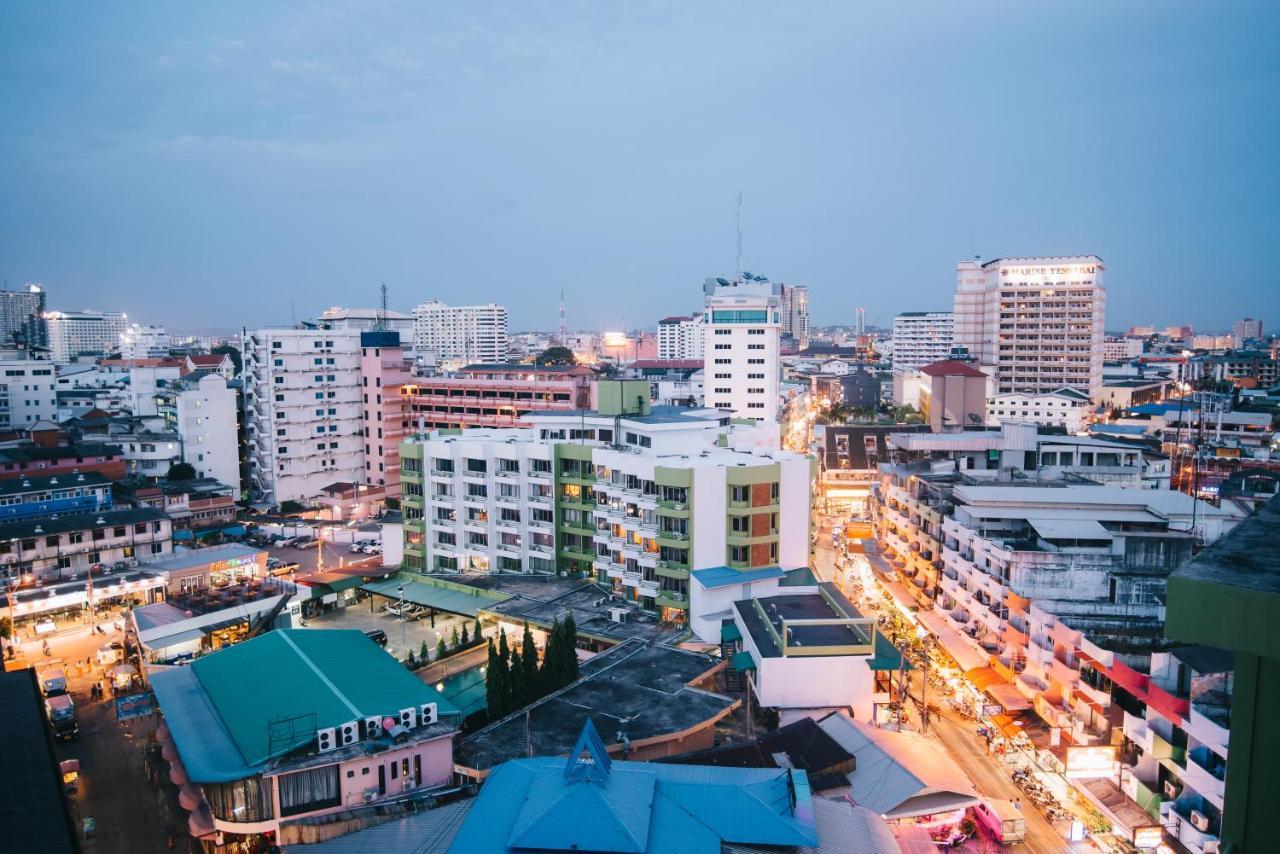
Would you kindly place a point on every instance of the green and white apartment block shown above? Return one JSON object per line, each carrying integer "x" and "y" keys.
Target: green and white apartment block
{"x": 639, "y": 498}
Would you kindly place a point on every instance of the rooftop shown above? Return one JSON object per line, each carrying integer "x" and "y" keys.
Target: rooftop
{"x": 590, "y": 802}
{"x": 82, "y": 480}
{"x": 775, "y": 610}
{"x": 202, "y": 557}
{"x": 540, "y": 600}
{"x": 32, "y": 814}
{"x": 233, "y": 712}
{"x": 1246, "y": 558}
{"x": 656, "y": 415}
{"x": 78, "y": 522}
{"x": 723, "y": 576}
{"x": 952, "y": 368}
{"x": 646, "y": 683}
{"x": 1205, "y": 659}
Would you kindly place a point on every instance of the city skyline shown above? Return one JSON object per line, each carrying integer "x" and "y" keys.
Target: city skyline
{"x": 225, "y": 163}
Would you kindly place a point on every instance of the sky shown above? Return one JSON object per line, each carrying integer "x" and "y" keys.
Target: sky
{"x": 217, "y": 165}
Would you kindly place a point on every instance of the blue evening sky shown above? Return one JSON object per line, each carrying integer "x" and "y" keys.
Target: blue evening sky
{"x": 205, "y": 165}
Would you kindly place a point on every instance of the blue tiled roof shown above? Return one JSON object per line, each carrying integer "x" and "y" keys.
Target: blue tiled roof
{"x": 637, "y": 807}
{"x": 1118, "y": 429}
{"x": 723, "y": 576}
{"x": 1152, "y": 408}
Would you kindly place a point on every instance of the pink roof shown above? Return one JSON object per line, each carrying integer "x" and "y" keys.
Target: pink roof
{"x": 951, "y": 368}
{"x": 673, "y": 364}
{"x": 209, "y": 361}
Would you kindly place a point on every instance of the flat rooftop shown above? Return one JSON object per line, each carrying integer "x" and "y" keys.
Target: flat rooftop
{"x": 801, "y": 606}
{"x": 202, "y": 557}
{"x": 32, "y": 814}
{"x": 541, "y": 600}
{"x": 1246, "y": 558}
{"x": 645, "y": 683}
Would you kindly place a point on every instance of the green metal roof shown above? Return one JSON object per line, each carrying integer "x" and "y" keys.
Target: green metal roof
{"x": 743, "y": 661}
{"x": 436, "y": 593}
{"x": 729, "y": 632}
{"x": 887, "y": 656}
{"x": 335, "y": 675}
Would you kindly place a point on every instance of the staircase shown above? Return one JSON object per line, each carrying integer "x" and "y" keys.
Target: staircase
{"x": 732, "y": 678}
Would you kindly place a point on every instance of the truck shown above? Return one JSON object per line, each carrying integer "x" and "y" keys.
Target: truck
{"x": 53, "y": 683}
{"x": 62, "y": 717}
{"x": 1003, "y": 819}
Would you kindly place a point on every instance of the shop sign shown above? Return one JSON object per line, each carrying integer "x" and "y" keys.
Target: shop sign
{"x": 232, "y": 563}
{"x": 1148, "y": 836}
{"x": 134, "y": 706}
{"x": 1091, "y": 761}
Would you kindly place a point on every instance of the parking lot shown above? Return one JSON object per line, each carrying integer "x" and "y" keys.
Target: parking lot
{"x": 403, "y": 636}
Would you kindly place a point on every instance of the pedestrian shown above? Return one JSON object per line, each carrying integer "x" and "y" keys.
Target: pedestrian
{"x": 1017, "y": 804}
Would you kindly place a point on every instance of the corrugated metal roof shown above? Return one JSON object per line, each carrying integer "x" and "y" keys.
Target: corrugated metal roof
{"x": 896, "y": 769}
{"x": 208, "y": 751}
{"x": 434, "y": 596}
{"x": 428, "y": 832}
{"x": 335, "y": 675}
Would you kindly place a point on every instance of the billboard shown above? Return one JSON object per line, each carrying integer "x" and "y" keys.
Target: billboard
{"x": 1096, "y": 760}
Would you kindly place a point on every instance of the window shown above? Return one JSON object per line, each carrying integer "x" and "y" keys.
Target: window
{"x": 724, "y": 346}
{"x": 313, "y": 789}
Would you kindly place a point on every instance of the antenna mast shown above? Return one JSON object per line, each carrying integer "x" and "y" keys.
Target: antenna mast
{"x": 562, "y": 331}
{"x": 738, "y": 265}
{"x": 380, "y": 324}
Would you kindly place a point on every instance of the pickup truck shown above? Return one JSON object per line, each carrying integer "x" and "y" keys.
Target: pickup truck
{"x": 62, "y": 717}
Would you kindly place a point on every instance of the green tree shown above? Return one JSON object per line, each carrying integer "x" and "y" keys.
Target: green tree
{"x": 181, "y": 471}
{"x": 291, "y": 506}
{"x": 556, "y": 356}
{"x": 6, "y": 628}
{"x": 454, "y": 640}
{"x": 477, "y": 636}
{"x": 529, "y": 655}
{"x": 441, "y": 650}
{"x": 549, "y": 679}
{"x": 410, "y": 662}
{"x": 495, "y": 684}
{"x": 570, "y": 652}
{"x": 523, "y": 690}
{"x": 227, "y": 349}
{"x": 424, "y": 653}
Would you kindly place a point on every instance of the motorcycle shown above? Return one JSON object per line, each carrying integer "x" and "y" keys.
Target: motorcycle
{"x": 47, "y": 651}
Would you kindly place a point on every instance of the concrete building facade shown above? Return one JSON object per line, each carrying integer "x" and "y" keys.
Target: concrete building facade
{"x": 73, "y": 333}
{"x": 742, "y": 350}
{"x": 681, "y": 337}
{"x": 1035, "y": 323}
{"x": 22, "y": 313}
{"x": 921, "y": 338}
{"x": 457, "y": 335}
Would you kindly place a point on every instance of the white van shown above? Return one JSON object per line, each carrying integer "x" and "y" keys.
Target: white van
{"x": 1003, "y": 819}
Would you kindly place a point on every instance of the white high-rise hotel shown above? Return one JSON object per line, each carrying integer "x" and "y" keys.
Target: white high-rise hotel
{"x": 74, "y": 332}
{"x": 1034, "y": 324}
{"x": 741, "y": 354}
{"x": 456, "y": 335}
{"x": 681, "y": 337}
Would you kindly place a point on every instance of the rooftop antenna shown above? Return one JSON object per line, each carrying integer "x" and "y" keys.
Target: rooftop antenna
{"x": 738, "y": 270}
{"x": 380, "y": 324}
{"x": 562, "y": 331}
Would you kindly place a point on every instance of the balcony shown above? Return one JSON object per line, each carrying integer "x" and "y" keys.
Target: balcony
{"x": 672, "y": 599}
{"x": 665, "y": 569}
{"x": 673, "y": 536}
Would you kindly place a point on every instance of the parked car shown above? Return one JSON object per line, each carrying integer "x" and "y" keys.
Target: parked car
{"x": 356, "y": 548}
{"x": 283, "y": 568}
{"x": 304, "y": 542}
{"x": 372, "y": 549}
{"x": 1003, "y": 819}
{"x": 378, "y": 636}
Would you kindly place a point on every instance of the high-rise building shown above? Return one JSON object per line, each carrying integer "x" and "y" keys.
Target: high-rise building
{"x": 1246, "y": 329}
{"x": 794, "y": 309}
{"x": 1034, "y": 324}
{"x": 144, "y": 342}
{"x": 741, "y": 352}
{"x": 22, "y": 313}
{"x": 461, "y": 334}
{"x": 366, "y": 319}
{"x": 921, "y": 338}
{"x": 681, "y": 337}
{"x": 384, "y": 370}
{"x": 73, "y": 333}
{"x": 303, "y": 411}
{"x": 1121, "y": 348}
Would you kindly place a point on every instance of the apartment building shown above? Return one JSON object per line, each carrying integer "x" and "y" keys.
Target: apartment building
{"x": 637, "y": 497}
{"x": 1032, "y": 580}
{"x": 304, "y": 412}
{"x": 28, "y": 392}
{"x": 75, "y": 333}
{"x": 1066, "y": 408}
{"x": 457, "y": 335}
{"x": 384, "y": 371}
{"x": 681, "y": 337}
{"x": 144, "y": 342}
{"x": 742, "y": 348}
{"x": 367, "y": 320}
{"x": 921, "y": 338}
{"x": 203, "y": 410}
{"x": 1035, "y": 324}
{"x": 496, "y": 395}
{"x": 1243, "y": 330}
{"x": 22, "y": 318}
{"x": 1121, "y": 348}
{"x": 48, "y": 549}
{"x": 794, "y": 310}
{"x": 30, "y": 497}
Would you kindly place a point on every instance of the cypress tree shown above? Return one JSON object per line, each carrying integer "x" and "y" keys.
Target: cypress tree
{"x": 441, "y": 650}
{"x": 456, "y": 644}
{"x": 476, "y": 635}
{"x": 495, "y": 687}
{"x": 504, "y": 662}
{"x": 423, "y": 652}
{"x": 548, "y": 680}
{"x": 529, "y": 661}
{"x": 519, "y": 684}
{"x": 570, "y": 651}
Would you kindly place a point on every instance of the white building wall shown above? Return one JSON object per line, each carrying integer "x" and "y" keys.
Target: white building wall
{"x": 708, "y": 519}
{"x": 205, "y": 418}
{"x": 743, "y": 365}
{"x": 458, "y": 335}
{"x": 74, "y": 332}
{"x": 1051, "y": 410}
{"x": 304, "y": 433}
{"x": 794, "y": 495}
{"x": 28, "y": 392}
{"x": 921, "y": 338}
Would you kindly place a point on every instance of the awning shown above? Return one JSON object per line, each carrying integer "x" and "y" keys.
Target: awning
{"x": 729, "y": 633}
{"x": 991, "y": 683}
{"x": 963, "y": 649}
{"x": 183, "y": 535}
{"x": 175, "y": 639}
{"x": 235, "y": 530}
{"x": 742, "y": 662}
{"x": 434, "y": 594}
{"x": 887, "y": 656}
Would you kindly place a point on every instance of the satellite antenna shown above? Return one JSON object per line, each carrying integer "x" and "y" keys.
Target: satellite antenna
{"x": 380, "y": 323}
